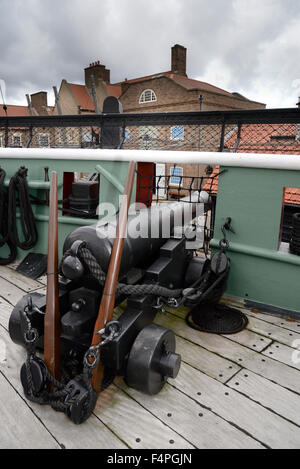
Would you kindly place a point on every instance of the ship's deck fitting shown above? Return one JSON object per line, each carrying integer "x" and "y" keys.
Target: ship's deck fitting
{"x": 237, "y": 391}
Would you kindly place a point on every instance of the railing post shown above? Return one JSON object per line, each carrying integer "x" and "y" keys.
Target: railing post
{"x": 221, "y": 147}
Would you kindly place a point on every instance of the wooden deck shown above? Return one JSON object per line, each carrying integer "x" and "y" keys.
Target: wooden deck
{"x": 239, "y": 391}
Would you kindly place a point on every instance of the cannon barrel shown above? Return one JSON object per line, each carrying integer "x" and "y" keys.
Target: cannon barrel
{"x": 147, "y": 231}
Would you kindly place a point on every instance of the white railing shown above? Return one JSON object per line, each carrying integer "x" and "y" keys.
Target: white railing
{"x": 244, "y": 160}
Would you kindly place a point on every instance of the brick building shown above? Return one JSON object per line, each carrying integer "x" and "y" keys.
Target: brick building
{"x": 175, "y": 91}
{"x": 166, "y": 91}
{"x": 16, "y": 137}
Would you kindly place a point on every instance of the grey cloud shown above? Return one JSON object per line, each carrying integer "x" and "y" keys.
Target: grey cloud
{"x": 241, "y": 45}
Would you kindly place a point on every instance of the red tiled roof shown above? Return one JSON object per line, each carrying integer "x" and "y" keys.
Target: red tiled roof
{"x": 211, "y": 185}
{"x": 185, "y": 82}
{"x": 265, "y": 138}
{"x": 13, "y": 110}
{"x": 85, "y": 101}
{"x": 190, "y": 84}
{"x": 292, "y": 196}
{"x": 82, "y": 96}
{"x": 114, "y": 90}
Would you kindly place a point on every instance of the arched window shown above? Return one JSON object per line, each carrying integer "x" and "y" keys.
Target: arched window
{"x": 147, "y": 96}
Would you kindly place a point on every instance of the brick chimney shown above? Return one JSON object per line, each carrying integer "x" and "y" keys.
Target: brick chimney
{"x": 178, "y": 64}
{"x": 99, "y": 71}
{"x": 39, "y": 102}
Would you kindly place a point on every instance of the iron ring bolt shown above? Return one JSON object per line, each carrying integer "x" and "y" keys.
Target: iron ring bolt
{"x": 112, "y": 329}
{"x": 31, "y": 336}
{"x": 91, "y": 354}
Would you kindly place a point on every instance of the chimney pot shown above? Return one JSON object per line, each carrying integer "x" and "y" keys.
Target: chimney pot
{"x": 99, "y": 71}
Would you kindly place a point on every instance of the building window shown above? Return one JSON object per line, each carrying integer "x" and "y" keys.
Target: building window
{"x": 127, "y": 135}
{"x": 17, "y": 140}
{"x": 177, "y": 132}
{"x": 176, "y": 173}
{"x": 147, "y": 137}
{"x": 147, "y": 96}
{"x": 44, "y": 140}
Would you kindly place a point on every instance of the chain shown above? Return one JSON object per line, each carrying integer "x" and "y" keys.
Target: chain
{"x": 92, "y": 356}
{"x": 64, "y": 396}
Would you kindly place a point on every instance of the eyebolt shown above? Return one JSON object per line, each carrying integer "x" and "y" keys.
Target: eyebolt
{"x": 30, "y": 336}
{"x": 91, "y": 354}
{"x": 112, "y": 328}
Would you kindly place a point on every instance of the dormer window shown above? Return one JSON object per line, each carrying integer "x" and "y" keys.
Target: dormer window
{"x": 147, "y": 96}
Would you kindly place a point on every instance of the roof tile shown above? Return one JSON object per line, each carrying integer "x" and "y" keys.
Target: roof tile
{"x": 14, "y": 110}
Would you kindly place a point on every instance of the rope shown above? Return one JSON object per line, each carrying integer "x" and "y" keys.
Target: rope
{"x": 73, "y": 395}
{"x": 18, "y": 185}
{"x": 94, "y": 268}
{"x": 4, "y": 236}
{"x": 60, "y": 397}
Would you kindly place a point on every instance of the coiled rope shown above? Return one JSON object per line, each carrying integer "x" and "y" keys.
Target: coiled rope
{"x": 4, "y": 237}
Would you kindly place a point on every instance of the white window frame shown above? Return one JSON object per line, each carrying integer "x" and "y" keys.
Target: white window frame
{"x": 43, "y": 135}
{"x": 143, "y": 99}
{"x": 181, "y": 130}
{"x": 17, "y": 136}
{"x": 177, "y": 176}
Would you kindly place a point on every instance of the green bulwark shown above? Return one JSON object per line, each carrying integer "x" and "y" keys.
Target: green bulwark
{"x": 112, "y": 180}
{"x": 260, "y": 273}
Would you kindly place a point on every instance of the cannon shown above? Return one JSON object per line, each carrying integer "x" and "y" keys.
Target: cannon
{"x": 157, "y": 266}
{"x": 163, "y": 266}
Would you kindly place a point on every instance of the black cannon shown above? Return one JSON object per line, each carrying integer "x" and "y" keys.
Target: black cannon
{"x": 155, "y": 269}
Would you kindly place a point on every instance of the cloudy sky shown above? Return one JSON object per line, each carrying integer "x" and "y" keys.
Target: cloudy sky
{"x": 249, "y": 46}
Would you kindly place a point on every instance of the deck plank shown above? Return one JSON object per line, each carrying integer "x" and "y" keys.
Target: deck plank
{"x": 10, "y": 292}
{"x": 242, "y": 356}
{"x": 14, "y": 265}
{"x": 91, "y": 434}
{"x": 262, "y": 424}
{"x": 284, "y": 354}
{"x": 5, "y": 310}
{"x": 286, "y": 324}
{"x": 20, "y": 428}
{"x": 132, "y": 423}
{"x": 268, "y": 394}
{"x": 273, "y": 332}
{"x": 208, "y": 362}
{"x": 200, "y": 426}
{"x": 25, "y": 283}
{"x": 245, "y": 337}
